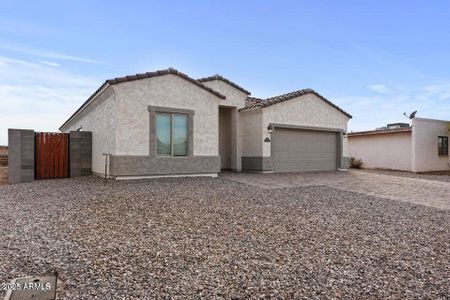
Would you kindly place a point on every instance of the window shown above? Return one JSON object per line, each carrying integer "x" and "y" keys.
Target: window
{"x": 171, "y": 134}
{"x": 443, "y": 145}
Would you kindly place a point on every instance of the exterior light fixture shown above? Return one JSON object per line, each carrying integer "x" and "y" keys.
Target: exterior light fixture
{"x": 270, "y": 128}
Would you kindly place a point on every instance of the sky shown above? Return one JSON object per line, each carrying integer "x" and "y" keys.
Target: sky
{"x": 374, "y": 59}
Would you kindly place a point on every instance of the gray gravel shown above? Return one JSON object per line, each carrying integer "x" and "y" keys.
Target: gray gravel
{"x": 435, "y": 177}
{"x": 193, "y": 238}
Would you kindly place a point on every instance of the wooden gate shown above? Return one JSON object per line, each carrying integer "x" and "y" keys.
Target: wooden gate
{"x": 52, "y": 155}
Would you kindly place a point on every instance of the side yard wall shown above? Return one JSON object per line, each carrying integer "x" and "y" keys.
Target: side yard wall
{"x": 384, "y": 151}
{"x": 100, "y": 119}
{"x": 425, "y": 140}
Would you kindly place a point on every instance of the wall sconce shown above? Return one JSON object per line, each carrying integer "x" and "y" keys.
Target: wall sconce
{"x": 270, "y": 128}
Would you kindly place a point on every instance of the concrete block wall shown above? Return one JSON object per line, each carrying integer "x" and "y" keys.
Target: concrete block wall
{"x": 80, "y": 145}
{"x": 20, "y": 155}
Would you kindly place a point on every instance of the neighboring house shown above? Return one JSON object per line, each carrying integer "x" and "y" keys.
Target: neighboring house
{"x": 421, "y": 147}
{"x": 166, "y": 123}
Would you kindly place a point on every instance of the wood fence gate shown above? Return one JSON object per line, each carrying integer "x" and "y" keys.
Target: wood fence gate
{"x": 51, "y": 155}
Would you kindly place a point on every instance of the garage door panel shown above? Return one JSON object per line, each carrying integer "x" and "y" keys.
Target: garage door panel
{"x": 303, "y": 150}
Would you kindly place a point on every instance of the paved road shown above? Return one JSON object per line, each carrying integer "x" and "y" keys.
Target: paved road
{"x": 415, "y": 190}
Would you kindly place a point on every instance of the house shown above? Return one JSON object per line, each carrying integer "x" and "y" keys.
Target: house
{"x": 421, "y": 147}
{"x": 167, "y": 123}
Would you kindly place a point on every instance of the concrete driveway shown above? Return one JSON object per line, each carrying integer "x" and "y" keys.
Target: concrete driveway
{"x": 416, "y": 190}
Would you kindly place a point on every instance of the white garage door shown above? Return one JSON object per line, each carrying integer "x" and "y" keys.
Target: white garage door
{"x": 303, "y": 150}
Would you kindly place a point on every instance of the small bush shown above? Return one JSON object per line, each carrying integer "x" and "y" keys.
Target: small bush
{"x": 355, "y": 163}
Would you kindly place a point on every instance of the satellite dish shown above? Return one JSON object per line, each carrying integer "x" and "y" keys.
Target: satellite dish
{"x": 412, "y": 115}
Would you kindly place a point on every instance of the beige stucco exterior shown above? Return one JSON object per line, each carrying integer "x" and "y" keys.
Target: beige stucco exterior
{"x": 119, "y": 120}
{"x": 384, "y": 151}
{"x": 307, "y": 110}
{"x": 234, "y": 97}
{"x": 416, "y": 150}
{"x": 251, "y": 132}
{"x": 99, "y": 117}
{"x": 425, "y": 134}
{"x": 134, "y": 97}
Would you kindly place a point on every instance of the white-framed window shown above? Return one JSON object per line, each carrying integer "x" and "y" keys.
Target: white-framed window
{"x": 172, "y": 130}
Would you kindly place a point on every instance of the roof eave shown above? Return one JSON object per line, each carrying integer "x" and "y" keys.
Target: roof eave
{"x": 139, "y": 76}
{"x": 378, "y": 132}
{"x": 103, "y": 87}
{"x": 227, "y": 81}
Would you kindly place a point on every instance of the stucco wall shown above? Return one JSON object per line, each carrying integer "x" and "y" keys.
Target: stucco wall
{"x": 425, "y": 140}
{"x": 384, "y": 151}
{"x": 250, "y": 132}
{"x": 234, "y": 96}
{"x": 99, "y": 118}
{"x": 133, "y": 119}
{"x": 306, "y": 110}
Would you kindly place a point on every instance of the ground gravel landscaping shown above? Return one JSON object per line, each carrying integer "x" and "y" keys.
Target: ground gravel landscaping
{"x": 195, "y": 238}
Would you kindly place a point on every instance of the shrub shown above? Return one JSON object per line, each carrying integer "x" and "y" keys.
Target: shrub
{"x": 355, "y": 163}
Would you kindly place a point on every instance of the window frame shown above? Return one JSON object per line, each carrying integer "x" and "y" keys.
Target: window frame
{"x": 171, "y": 135}
{"x": 153, "y": 111}
{"x": 441, "y": 144}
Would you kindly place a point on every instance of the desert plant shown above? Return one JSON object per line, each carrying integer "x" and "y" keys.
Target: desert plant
{"x": 355, "y": 163}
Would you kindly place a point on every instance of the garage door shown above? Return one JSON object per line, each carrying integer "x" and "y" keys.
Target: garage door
{"x": 303, "y": 150}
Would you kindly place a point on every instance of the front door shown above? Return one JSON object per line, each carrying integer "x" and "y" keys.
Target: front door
{"x": 225, "y": 138}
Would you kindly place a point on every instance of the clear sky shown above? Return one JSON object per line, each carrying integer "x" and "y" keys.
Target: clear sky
{"x": 375, "y": 59}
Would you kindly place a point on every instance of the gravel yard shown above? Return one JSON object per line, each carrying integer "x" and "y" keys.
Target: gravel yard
{"x": 210, "y": 238}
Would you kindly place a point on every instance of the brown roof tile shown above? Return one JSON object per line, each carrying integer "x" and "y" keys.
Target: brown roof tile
{"x": 281, "y": 98}
{"x": 218, "y": 77}
{"x": 163, "y": 72}
{"x": 118, "y": 80}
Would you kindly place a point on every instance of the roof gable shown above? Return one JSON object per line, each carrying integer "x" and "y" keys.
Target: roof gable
{"x": 140, "y": 76}
{"x": 256, "y": 103}
{"x": 160, "y": 73}
{"x": 218, "y": 77}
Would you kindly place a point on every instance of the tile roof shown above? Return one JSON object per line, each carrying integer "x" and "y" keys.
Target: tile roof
{"x": 218, "y": 77}
{"x": 118, "y": 80}
{"x": 379, "y": 131}
{"x": 254, "y": 100}
{"x": 160, "y": 73}
{"x": 256, "y": 103}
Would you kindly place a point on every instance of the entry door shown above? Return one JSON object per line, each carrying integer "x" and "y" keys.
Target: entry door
{"x": 296, "y": 150}
{"x": 225, "y": 138}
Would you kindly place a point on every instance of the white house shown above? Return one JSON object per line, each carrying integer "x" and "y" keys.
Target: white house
{"x": 167, "y": 123}
{"x": 421, "y": 147}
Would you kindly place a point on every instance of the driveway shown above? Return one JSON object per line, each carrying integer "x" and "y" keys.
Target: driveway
{"x": 389, "y": 186}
